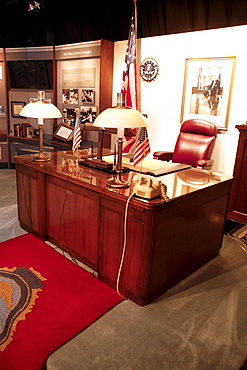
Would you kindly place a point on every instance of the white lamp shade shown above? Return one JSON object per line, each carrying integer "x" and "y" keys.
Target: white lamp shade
{"x": 120, "y": 117}
{"x": 40, "y": 109}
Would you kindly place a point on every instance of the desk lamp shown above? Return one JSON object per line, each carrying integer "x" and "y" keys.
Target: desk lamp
{"x": 119, "y": 117}
{"x": 40, "y": 109}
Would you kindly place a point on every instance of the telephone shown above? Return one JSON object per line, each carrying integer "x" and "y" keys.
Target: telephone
{"x": 147, "y": 187}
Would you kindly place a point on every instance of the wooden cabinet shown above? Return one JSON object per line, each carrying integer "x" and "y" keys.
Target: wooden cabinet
{"x": 77, "y": 227}
{"x": 112, "y": 240}
{"x": 237, "y": 210}
{"x": 165, "y": 241}
{"x": 31, "y": 200}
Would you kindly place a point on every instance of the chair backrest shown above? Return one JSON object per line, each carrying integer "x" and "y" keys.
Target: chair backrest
{"x": 195, "y": 141}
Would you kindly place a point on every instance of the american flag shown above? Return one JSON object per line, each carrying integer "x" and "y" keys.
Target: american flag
{"x": 77, "y": 133}
{"x": 129, "y": 84}
{"x": 142, "y": 147}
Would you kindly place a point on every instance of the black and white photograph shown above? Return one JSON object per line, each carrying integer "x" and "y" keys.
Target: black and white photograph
{"x": 207, "y": 89}
{"x": 88, "y": 114}
{"x": 87, "y": 96}
{"x": 69, "y": 116}
{"x": 70, "y": 96}
{"x": 2, "y": 111}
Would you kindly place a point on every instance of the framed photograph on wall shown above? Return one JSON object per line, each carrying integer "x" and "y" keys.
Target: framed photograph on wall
{"x": 16, "y": 107}
{"x": 88, "y": 114}
{"x": 87, "y": 96}
{"x": 70, "y": 96}
{"x": 207, "y": 89}
{"x": 2, "y": 111}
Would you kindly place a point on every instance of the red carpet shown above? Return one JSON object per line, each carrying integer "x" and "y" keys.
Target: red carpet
{"x": 45, "y": 300}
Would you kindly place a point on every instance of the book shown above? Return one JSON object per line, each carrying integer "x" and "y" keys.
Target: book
{"x": 24, "y": 129}
{"x": 17, "y": 128}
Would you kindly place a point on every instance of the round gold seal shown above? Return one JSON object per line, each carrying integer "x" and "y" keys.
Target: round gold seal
{"x": 149, "y": 69}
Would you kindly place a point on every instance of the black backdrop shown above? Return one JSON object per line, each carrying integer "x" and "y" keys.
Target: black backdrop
{"x": 60, "y": 21}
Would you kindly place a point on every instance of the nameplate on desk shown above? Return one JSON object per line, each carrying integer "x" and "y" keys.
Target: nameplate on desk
{"x": 150, "y": 166}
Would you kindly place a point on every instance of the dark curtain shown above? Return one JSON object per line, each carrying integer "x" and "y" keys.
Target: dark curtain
{"x": 65, "y": 22}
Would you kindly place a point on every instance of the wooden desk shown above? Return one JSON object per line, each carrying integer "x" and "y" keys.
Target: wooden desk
{"x": 166, "y": 241}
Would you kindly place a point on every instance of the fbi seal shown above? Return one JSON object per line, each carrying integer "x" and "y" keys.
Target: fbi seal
{"x": 149, "y": 69}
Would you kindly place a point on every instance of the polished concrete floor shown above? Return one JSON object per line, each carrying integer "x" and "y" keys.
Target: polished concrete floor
{"x": 200, "y": 324}
{"x": 9, "y": 225}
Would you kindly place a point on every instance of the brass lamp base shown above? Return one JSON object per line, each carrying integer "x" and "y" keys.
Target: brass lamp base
{"x": 118, "y": 182}
{"x": 41, "y": 157}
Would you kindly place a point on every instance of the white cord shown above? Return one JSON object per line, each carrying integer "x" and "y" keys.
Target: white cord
{"x": 124, "y": 244}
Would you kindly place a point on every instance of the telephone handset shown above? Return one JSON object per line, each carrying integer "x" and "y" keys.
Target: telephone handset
{"x": 147, "y": 187}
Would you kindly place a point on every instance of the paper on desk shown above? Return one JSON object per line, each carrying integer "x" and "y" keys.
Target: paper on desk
{"x": 150, "y": 166}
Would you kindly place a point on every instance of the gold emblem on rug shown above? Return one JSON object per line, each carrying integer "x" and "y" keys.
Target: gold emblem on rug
{"x": 18, "y": 292}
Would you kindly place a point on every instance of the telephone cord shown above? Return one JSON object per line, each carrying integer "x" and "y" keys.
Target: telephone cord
{"x": 124, "y": 244}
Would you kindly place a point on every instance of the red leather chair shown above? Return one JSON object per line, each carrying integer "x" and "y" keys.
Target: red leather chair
{"x": 194, "y": 144}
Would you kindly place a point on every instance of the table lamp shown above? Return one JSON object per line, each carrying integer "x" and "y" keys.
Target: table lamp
{"x": 40, "y": 109}
{"x": 119, "y": 117}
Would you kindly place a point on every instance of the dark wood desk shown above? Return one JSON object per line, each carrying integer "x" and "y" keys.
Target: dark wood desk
{"x": 166, "y": 241}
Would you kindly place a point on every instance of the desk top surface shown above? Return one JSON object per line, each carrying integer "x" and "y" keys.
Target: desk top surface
{"x": 65, "y": 166}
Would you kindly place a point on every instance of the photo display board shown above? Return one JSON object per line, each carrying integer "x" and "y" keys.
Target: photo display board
{"x": 78, "y": 76}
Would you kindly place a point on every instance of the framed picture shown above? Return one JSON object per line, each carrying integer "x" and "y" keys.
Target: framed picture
{"x": 2, "y": 111}
{"x": 87, "y": 96}
{"x": 1, "y": 71}
{"x": 88, "y": 114}
{"x": 64, "y": 132}
{"x": 16, "y": 107}
{"x": 207, "y": 89}
{"x": 70, "y": 96}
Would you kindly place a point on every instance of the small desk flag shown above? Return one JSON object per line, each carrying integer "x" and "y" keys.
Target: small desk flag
{"x": 77, "y": 133}
{"x": 142, "y": 147}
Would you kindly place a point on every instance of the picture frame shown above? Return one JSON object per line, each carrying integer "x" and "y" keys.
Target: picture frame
{"x": 16, "y": 107}
{"x": 88, "y": 114}
{"x": 70, "y": 97}
{"x": 64, "y": 132}
{"x": 207, "y": 89}
{"x": 87, "y": 96}
{"x": 2, "y": 111}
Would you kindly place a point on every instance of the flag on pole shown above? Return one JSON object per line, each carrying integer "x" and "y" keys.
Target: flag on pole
{"x": 142, "y": 147}
{"x": 129, "y": 82}
{"x": 77, "y": 133}
{"x": 129, "y": 85}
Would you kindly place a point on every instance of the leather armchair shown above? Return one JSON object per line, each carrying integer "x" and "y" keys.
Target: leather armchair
{"x": 194, "y": 145}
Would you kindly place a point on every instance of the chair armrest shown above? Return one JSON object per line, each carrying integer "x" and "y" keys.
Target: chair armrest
{"x": 206, "y": 164}
{"x": 163, "y": 156}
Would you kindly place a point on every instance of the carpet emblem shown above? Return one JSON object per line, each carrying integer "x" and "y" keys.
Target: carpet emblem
{"x": 18, "y": 292}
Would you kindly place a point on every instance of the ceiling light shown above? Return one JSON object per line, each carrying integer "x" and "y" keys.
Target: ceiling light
{"x": 34, "y": 7}
{"x": 31, "y": 7}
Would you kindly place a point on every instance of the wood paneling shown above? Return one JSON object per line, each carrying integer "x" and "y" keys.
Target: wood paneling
{"x": 77, "y": 227}
{"x": 237, "y": 210}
